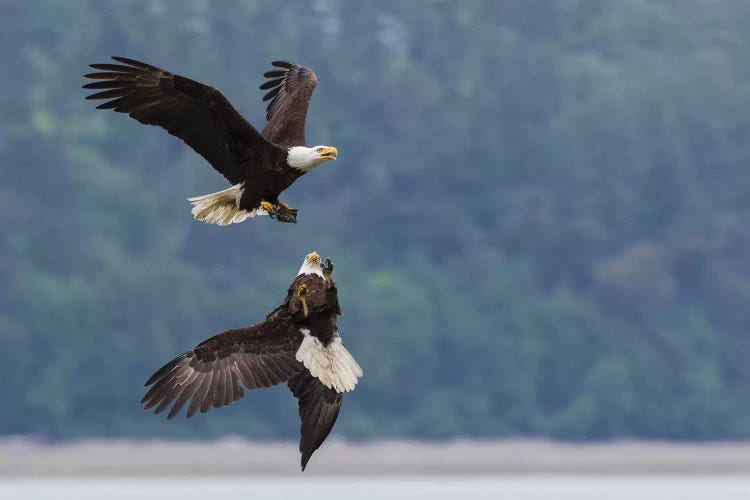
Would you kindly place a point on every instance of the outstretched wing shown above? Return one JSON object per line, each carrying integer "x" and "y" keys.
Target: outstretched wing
{"x": 291, "y": 88}
{"x": 318, "y": 408}
{"x": 213, "y": 374}
{"x": 198, "y": 114}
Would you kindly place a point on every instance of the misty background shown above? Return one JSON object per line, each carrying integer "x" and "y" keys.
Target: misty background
{"x": 539, "y": 216}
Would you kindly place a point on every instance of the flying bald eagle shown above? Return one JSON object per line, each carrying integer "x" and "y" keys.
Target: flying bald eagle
{"x": 259, "y": 166}
{"x": 298, "y": 343}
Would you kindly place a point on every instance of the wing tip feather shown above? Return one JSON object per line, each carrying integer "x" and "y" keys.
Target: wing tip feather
{"x": 283, "y": 64}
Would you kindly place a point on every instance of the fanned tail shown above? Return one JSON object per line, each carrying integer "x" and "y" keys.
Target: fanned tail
{"x": 333, "y": 365}
{"x": 222, "y": 208}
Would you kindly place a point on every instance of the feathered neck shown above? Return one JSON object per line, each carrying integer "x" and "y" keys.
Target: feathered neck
{"x": 303, "y": 159}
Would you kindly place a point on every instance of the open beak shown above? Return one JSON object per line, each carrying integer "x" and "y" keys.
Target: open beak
{"x": 313, "y": 258}
{"x": 329, "y": 154}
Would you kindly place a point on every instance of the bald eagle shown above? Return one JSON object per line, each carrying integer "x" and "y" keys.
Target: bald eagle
{"x": 259, "y": 166}
{"x": 298, "y": 343}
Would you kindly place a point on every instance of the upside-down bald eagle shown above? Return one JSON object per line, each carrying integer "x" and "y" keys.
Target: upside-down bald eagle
{"x": 298, "y": 343}
{"x": 259, "y": 166}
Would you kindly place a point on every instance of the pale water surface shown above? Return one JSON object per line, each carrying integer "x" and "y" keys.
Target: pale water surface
{"x": 535, "y": 487}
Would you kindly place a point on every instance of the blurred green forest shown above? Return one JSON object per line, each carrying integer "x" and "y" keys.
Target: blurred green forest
{"x": 539, "y": 215}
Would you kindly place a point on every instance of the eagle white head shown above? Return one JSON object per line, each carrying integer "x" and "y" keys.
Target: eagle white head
{"x": 311, "y": 265}
{"x": 305, "y": 159}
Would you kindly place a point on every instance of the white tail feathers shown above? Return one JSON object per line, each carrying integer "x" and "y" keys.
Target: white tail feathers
{"x": 333, "y": 365}
{"x": 222, "y": 208}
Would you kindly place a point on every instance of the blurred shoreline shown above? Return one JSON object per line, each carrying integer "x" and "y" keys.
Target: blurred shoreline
{"x": 23, "y": 458}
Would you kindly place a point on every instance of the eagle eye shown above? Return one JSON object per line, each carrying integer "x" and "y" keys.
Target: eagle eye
{"x": 319, "y": 150}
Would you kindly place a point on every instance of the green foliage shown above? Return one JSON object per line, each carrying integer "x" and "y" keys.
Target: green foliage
{"x": 538, "y": 217}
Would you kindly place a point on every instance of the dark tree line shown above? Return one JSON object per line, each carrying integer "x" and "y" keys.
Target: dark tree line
{"x": 538, "y": 217}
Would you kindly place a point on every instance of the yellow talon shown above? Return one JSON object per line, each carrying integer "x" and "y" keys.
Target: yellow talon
{"x": 285, "y": 207}
{"x": 268, "y": 207}
{"x": 302, "y": 294}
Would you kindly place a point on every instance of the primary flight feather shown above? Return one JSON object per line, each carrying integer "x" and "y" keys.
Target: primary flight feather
{"x": 259, "y": 166}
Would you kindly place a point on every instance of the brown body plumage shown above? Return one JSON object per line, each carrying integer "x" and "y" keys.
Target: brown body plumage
{"x": 257, "y": 164}
{"x": 217, "y": 371}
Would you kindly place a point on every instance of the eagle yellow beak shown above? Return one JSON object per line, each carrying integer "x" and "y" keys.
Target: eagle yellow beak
{"x": 313, "y": 258}
{"x": 329, "y": 154}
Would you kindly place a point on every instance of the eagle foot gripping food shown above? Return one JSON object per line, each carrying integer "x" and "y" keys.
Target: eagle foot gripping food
{"x": 287, "y": 214}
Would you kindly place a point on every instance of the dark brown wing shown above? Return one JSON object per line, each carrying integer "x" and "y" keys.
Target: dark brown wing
{"x": 318, "y": 408}
{"x": 196, "y": 113}
{"x": 213, "y": 374}
{"x": 291, "y": 88}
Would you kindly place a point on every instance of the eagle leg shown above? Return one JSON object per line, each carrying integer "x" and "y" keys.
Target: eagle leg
{"x": 328, "y": 269}
{"x": 285, "y": 207}
{"x": 302, "y": 294}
